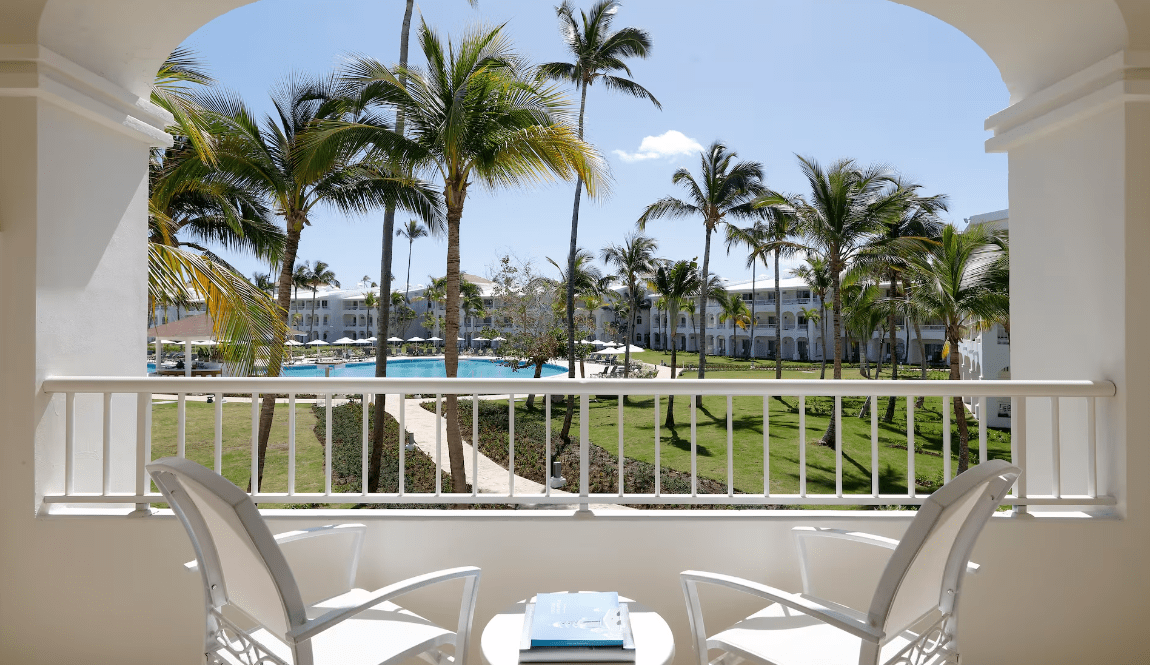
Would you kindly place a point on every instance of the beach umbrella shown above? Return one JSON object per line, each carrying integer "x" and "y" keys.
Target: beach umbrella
{"x": 499, "y": 339}
{"x": 292, "y": 342}
{"x": 598, "y": 342}
{"x": 394, "y": 339}
{"x": 434, "y": 339}
{"x": 417, "y": 339}
{"x": 362, "y": 342}
{"x": 612, "y": 350}
{"x": 317, "y": 342}
{"x": 344, "y": 340}
{"x": 632, "y": 348}
{"x": 480, "y": 339}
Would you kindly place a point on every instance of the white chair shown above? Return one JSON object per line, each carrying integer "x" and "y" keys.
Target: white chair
{"x": 254, "y": 607}
{"x": 913, "y": 615}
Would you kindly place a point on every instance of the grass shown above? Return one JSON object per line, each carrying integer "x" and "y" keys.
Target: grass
{"x": 766, "y": 368}
{"x": 236, "y": 448}
{"x": 747, "y": 440}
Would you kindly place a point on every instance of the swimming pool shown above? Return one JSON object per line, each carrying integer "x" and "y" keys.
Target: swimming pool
{"x": 423, "y": 367}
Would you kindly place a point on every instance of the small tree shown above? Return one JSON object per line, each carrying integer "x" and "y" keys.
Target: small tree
{"x": 525, "y": 297}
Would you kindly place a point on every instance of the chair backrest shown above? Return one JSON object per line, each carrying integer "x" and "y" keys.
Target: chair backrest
{"x": 240, "y": 562}
{"x": 925, "y": 570}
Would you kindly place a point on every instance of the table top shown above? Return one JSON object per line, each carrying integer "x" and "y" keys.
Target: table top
{"x": 654, "y": 644}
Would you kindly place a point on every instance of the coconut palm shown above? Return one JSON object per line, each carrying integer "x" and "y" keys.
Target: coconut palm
{"x": 189, "y": 198}
{"x": 320, "y": 275}
{"x": 597, "y": 51}
{"x": 732, "y": 307}
{"x": 816, "y": 275}
{"x": 953, "y": 287}
{"x": 476, "y": 114}
{"x": 901, "y": 236}
{"x": 295, "y": 168}
{"x": 263, "y": 282}
{"x": 370, "y": 301}
{"x": 676, "y": 283}
{"x": 725, "y": 188}
{"x": 634, "y": 260}
{"x": 414, "y": 230}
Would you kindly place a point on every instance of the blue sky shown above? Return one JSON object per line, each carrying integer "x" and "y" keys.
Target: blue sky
{"x": 865, "y": 79}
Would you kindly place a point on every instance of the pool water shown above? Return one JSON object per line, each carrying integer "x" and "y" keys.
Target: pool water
{"x": 423, "y": 367}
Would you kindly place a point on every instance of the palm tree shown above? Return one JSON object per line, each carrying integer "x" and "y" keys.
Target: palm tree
{"x": 953, "y": 287}
{"x": 634, "y": 260}
{"x": 414, "y": 230}
{"x": 370, "y": 301}
{"x": 753, "y": 237}
{"x": 477, "y": 114}
{"x": 732, "y": 306}
{"x": 901, "y": 236}
{"x": 320, "y": 275}
{"x": 816, "y": 275}
{"x": 263, "y": 282}
{"x": 190, "y": 197}
{"x": 597, "y": 51}
{"x": 676, "y": 283}
{"x": 725, "y": 188}
{"x": 295, "y": 167}
{"x": 848, "y": 206}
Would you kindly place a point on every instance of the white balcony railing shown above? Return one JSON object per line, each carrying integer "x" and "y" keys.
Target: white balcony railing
{"x": 1082, "y": 456}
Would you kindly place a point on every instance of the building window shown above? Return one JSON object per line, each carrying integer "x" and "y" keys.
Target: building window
{"x": 323, "y": 304}
{"x": 1004, "y": 409}
{"x": 638, "y": 319}
{"x": 802, "y": 320}
{"x": 682, "y": 320}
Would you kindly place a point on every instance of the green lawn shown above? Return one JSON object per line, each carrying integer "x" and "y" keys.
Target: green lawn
{"x": 237, "y": 443}
{"x": 711, "y": 440}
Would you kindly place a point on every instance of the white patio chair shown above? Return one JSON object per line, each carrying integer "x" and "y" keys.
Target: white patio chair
{"x": 913, "y": 615}
{"x": 254, "y": 607}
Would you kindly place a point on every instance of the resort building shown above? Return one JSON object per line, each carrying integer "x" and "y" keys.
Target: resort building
{"x": 92, "y": 574}
{"x": 986, "y": 353}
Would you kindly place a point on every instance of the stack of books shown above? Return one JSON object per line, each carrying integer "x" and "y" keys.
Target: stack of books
{"x": 577, "y": 628}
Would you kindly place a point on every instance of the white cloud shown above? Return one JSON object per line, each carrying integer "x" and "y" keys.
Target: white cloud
{"x": 668, "y": 144}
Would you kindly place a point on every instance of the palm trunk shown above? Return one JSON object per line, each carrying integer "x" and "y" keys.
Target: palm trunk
{"x": 565, "y": 434}
{"x": 407, "y": 284}
{"x": 294, "y": 222}
{"x": 451, "y": 358}
{"x": 778, "y": 321}
{"x": 829, "y": 435}
{"x": 921, "y": 350}
{"x": 754, "y": 266}
{"x": 959, "y": 407}
{"x": 702, "y": 307}
{"x": 376, "y": 457}
{"x": 670, "y": 421}
{"x": 630, "y": 329}
{"x": 823, "y": 334}
{"x": 888, "y": 417}
{"x": 538, "y": 373}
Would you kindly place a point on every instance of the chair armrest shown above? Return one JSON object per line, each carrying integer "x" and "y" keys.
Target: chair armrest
{"x": 300, "y": 534}
{"x": 316, "y": 626}
{"x": 805, "y": 605}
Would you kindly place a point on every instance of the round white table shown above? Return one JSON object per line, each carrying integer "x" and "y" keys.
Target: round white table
{"x": 654, "y": 644}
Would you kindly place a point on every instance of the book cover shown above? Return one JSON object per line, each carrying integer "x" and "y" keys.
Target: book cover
{"x": 577, "y": 620}
{"x": 557, "y": 655}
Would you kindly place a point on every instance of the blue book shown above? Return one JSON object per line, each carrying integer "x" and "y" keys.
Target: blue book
{"x": 577, "y": 620}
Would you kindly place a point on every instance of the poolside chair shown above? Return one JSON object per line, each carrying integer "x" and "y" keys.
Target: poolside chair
{"x": 257, "y": 610}
{"x": 913, "y": 615}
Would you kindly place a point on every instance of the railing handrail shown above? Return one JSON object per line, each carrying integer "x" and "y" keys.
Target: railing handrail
{"x": 565, "y": 386}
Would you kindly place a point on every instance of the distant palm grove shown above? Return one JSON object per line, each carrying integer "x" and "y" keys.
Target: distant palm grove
{"x": 472, "y": 110}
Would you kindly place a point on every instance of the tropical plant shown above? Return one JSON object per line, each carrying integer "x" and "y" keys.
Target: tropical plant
{"x": 188, "y": 196}
{"x": 263, "y": 282}
{"x": 476, "y": 114}
{"x": 724, "y": 188}
{"x": 634, "y": 260}
{"x": 676, "y": 283}
{"x": 525, "y": 297}
{"x": 414, "y": 230}
{"x": 597, "y": 51}
{"x": 319, "y": 275}
{"x": 953, "y": 287}
{"x": 816, "y": 275}
{"x": 887, "y": 253}
{"x": 295, "y": 167}
{"x": 732, "y": 307}
{"x": 371, "y": 302}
